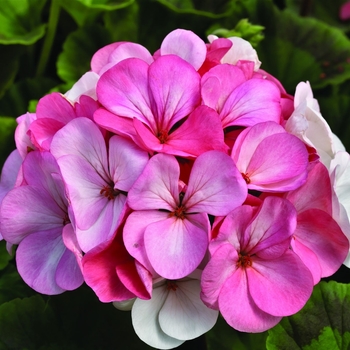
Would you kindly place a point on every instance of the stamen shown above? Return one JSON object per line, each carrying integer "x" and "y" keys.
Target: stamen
{"x": 109, "y": 192}
{"x": 179, "y": 212}
{"x": 244, "y": 260}
{"x": 171, "y": 285}
{"x": 163, "y": 136}
{"x": 246, "y": 178}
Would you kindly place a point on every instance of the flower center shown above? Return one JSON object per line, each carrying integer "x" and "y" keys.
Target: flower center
{"x": 171, "y": 285}
{"x": 244, "y": 260}
{"x": 163, "y": 136}
{"x": 109, "y": 192}
{"x": 246, "y": 178}
{"x": 179, "y": 212}
{"x": 66, "y": 220}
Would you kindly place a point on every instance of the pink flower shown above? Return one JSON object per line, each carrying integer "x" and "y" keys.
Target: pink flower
{"x": 252, "y": 277}
{"x": 169, "y": 229}
{"x": 36, "y": 217}
{"x": 270, "y": 159}
{"x": 157, "y": 106}
{"x": 96, "y": 177}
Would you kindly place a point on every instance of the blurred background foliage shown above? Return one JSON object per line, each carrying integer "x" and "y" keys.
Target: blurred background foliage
{"x": 46, "y": 45}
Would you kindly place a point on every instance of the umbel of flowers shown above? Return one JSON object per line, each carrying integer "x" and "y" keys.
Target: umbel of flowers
{"x": 179, "y": 184}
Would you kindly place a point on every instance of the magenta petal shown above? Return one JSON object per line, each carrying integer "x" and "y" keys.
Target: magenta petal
{"x": 100, "y": 58}
{"x": 344, "y": 12}
{"x": 253, "y": 102}
{"x": 157, "y": 186}
{"x": 282, "y": 286}
{"x": 238, "y": 308}
{"x": 318, "y": 231}
{"x": 219, "y": 268}
{"x": 219, "y": 83}
{"x": 55, "y": 106}
{"x": 175, "y": 247}
{"x": 215, "y": 185}
{"x": 123, "y": 90}
{"x": 200, "y": 132}
{"x": 185, "y": 44}
{"x": 38, "y": 256}
{"x": 178, "y": 93}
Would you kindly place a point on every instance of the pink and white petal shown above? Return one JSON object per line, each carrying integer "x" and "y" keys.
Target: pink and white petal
{"x": 174, "y": 87}
{"x": 318, "y": 231}
{"x": 175, "y": 247}
{"x": 86, "y": 86}
{"x": 133, "y": 234}
{"x": 126, "y": 162}
{"x": 123, "y": 90}
{"x": 220, "y": 267}
{"x": 9, "y": 173}
{"x": 254, "y": 101}
{"x": 280, "y": 287}
{"x": 82, "y": 137}
{"x": 157, "y": 186}
{"x": 219, "y": 83}
{"x": 215, "y": 186}
{"x": 68, "y": 273}
{"x": 22, "y": 139}
{"x": 101, "y": 56}
{"x": 129, "y": 50}
{"x": 55, "y": 106}
{"x": 200, "y": 132}
{"x": 145, "y": 321}
{"x": 84, "y": 185}
{"x": 239, "y": 309}
{"x": 104, "y": 227}
{"x": 37, "y": 258}
{"x": 271, "y": 229}
{"x": 185, "y": 44}
{"x": 183, "y": 315}
{"x": 26, "y": 210}
{"x": 308, "y": 257}
{"x": 288, "y": 173}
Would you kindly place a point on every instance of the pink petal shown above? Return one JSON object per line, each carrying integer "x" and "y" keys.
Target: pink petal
{"x": 253, "y": 102}
{"x": 37, "y": 257}
{"x": 174, "y": 90}
{"x": 219, "y": 83}
{"x": 82, "y": 137}
{"x": 126, "y": 162}
{"x": 215, "y": 185}
{"x": 101, "y": 57}
{"x": 85, "y": 86}
{"x": 239, "y": 309}
{"x": 175, "y": 247}
{"x": 157, "y": 186}
{"x": 200, "y": 132}
{"x": 344, "y": 12}
{"x": 318, "y": 231}
{"x": 133, "y": 235}
{"x": 185, "y": 44}
{"x": 219, "y": 268}
{"x": 280, "y": 287}
{"x": 123, "y": 90}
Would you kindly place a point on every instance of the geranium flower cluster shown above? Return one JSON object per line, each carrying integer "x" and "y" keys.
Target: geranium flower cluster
{"x": 180, "y": 185}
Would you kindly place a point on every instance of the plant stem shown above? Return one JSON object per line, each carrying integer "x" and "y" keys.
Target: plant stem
{"x": 50, "y": 34}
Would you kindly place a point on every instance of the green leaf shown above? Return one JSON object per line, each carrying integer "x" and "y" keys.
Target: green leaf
{"x": 123, "y": 24}
{"x": 20, "y": 21}
{"x": 323, "y": 324}
{"x": 208, "y": 8}
{"x": 298, "y": 49}
{"x": 224, "y": 337}
{"x": 78, "y": 50}
{"x": 85, "y": 12}
{"x": 16, "y": 99}
{"x": 5, "y": 257}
